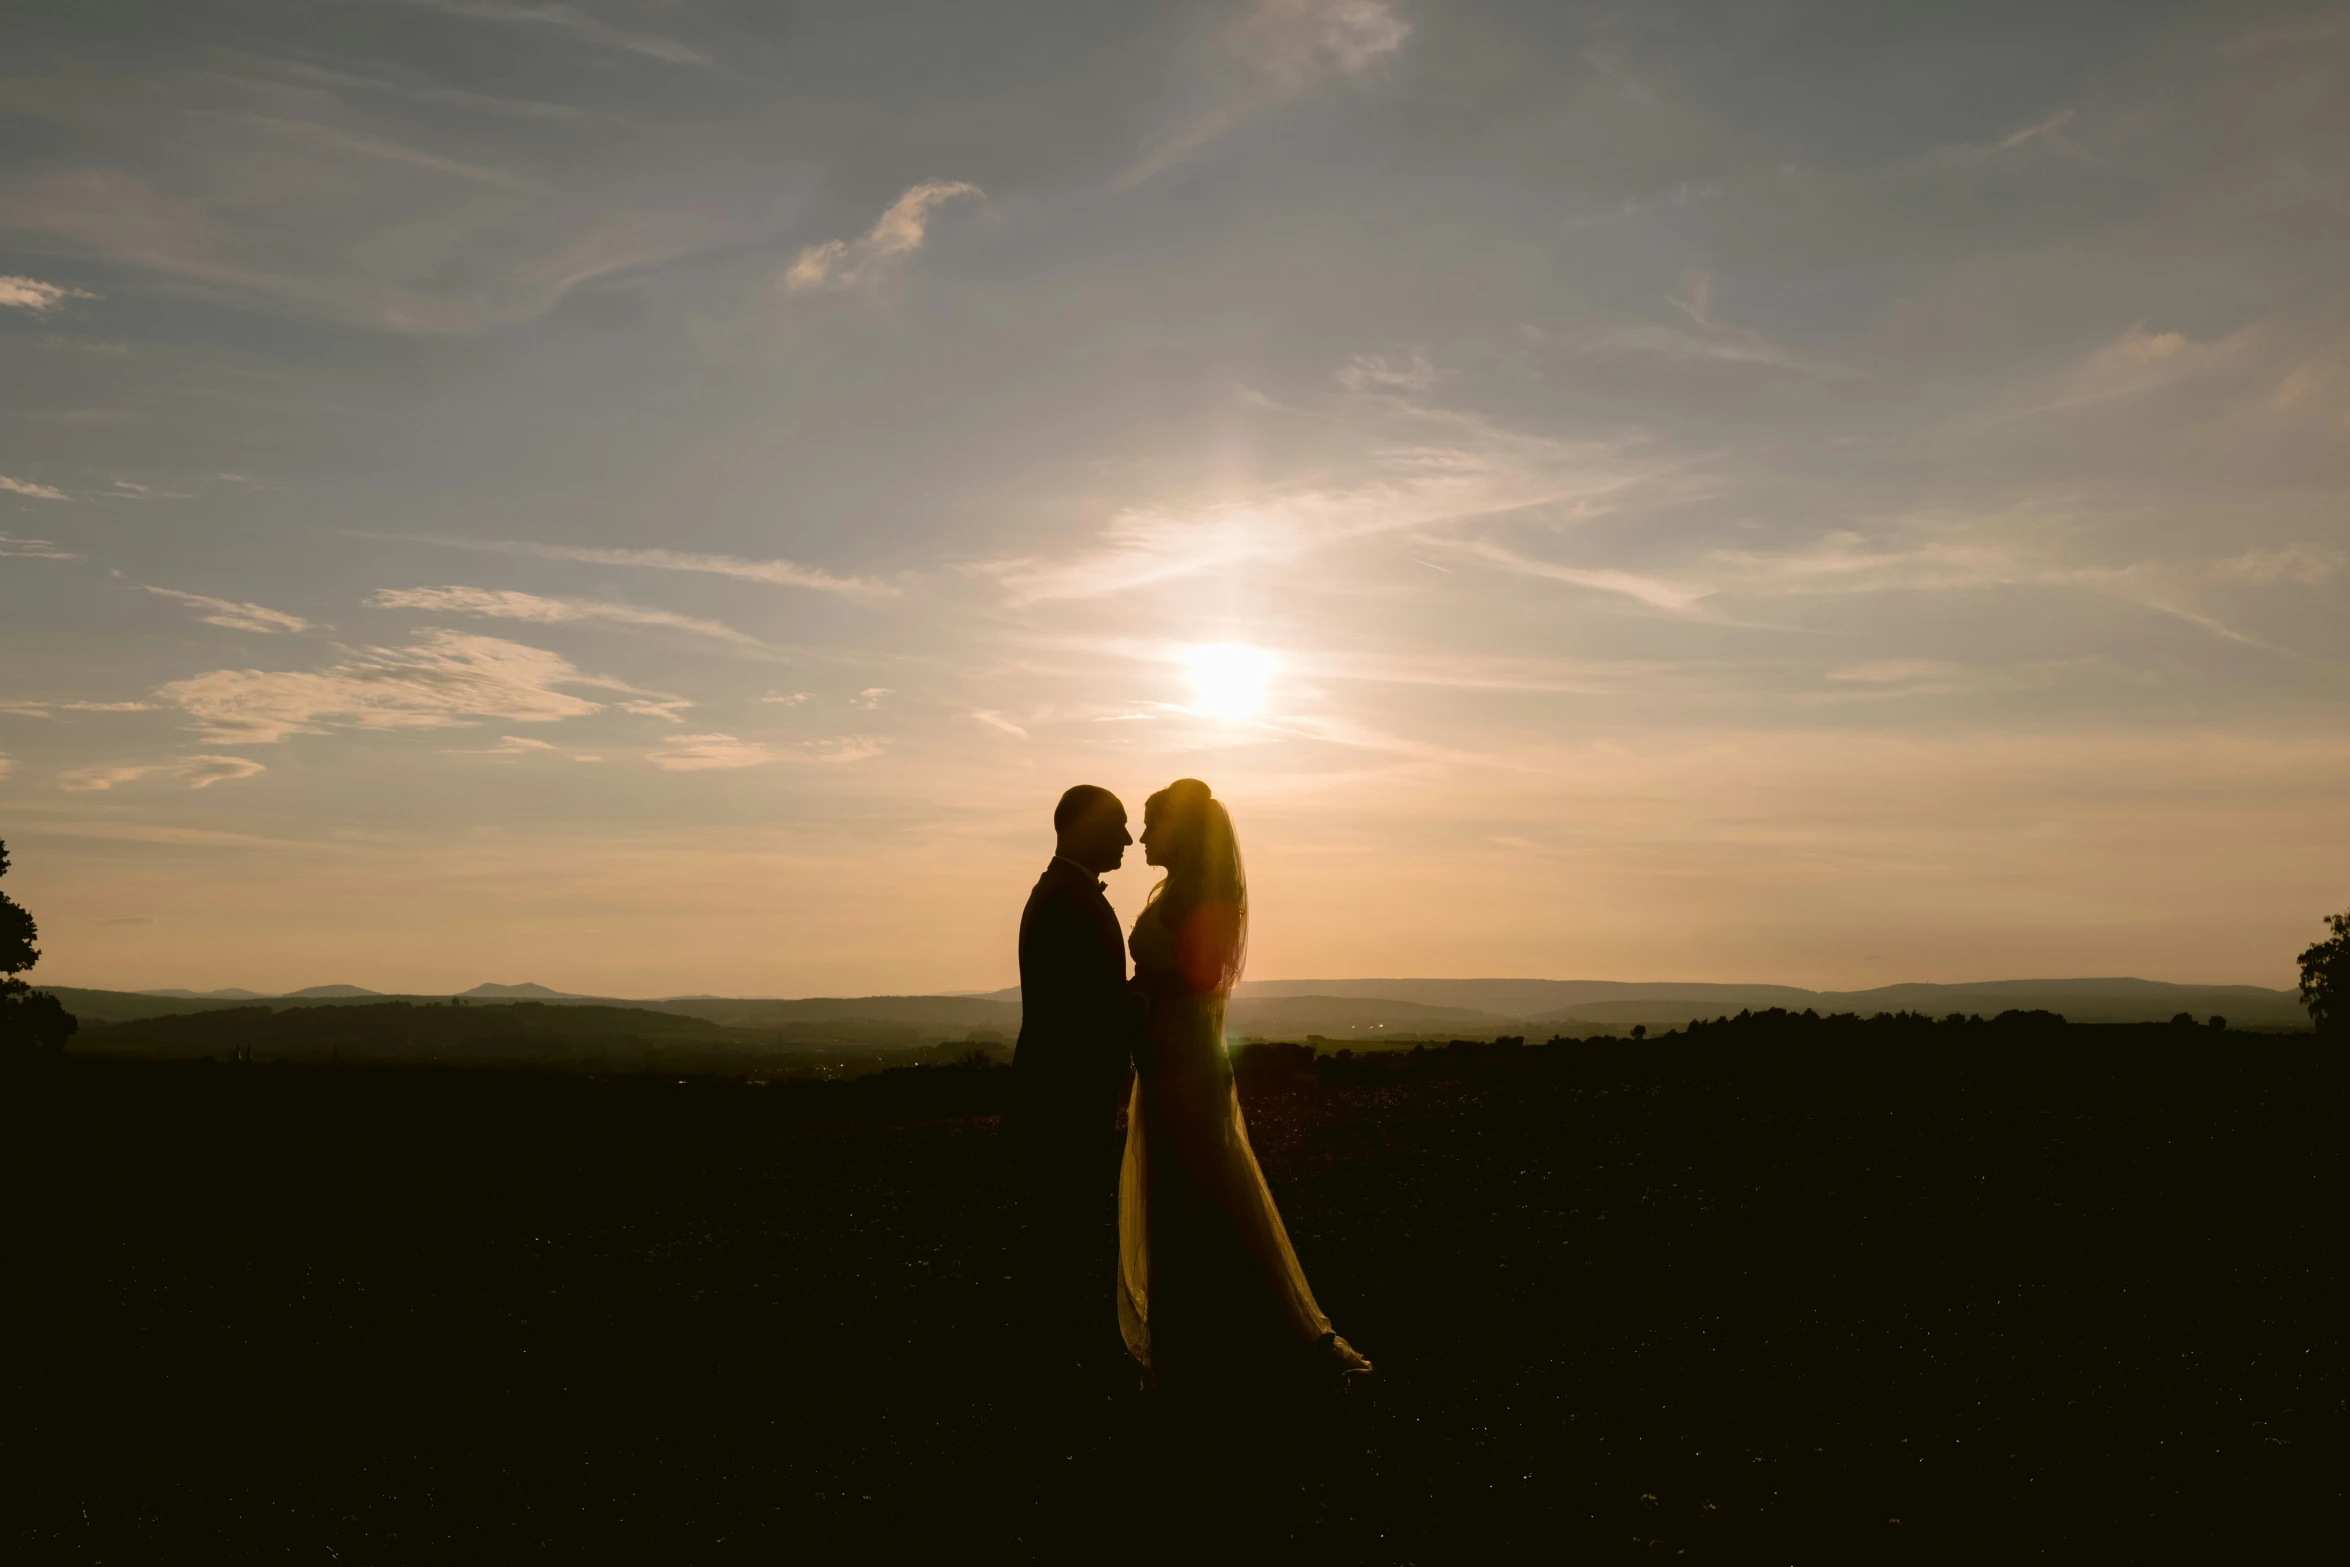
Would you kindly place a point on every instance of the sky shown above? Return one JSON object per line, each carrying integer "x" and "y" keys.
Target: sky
{"x": 660, "y": 496}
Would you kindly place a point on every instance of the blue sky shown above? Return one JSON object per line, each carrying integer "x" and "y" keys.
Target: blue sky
{"x": 657, "y": 497}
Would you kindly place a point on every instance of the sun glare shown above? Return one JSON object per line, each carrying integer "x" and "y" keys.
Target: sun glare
{"x": 1228, "y": 680}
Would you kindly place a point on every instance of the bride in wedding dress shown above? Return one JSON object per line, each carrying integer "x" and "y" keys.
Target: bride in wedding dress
{"x": 1209, "y": 1289}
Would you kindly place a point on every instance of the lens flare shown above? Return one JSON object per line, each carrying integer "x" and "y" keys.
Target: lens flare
{"x": 1229, "y": 680}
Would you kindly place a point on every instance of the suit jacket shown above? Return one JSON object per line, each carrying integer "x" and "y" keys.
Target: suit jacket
{"x": 1078, "y": 1021}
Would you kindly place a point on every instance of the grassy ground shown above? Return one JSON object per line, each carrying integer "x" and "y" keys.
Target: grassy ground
{"x": 2074, "y": 1297}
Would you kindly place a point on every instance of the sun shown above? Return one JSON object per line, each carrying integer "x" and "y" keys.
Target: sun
{"x": 1229, "y": 680}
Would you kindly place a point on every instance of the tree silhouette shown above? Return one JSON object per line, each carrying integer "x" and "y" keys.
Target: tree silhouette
{"x": 31, "y": 1021}
{"x": 17, "y": 930}
{"x": 2325, "y": 978}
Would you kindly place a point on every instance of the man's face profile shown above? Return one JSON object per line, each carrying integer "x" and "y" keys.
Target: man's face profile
{"x": 1098, "y": 840}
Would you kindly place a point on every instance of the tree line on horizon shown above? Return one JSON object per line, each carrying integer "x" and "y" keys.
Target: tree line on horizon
{"x": 34, "y": 1023}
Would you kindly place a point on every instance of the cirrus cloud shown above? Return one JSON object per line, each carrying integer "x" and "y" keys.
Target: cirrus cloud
{"x": 1270, "y": 51}
{"x": 578, "y": 24}
{"x": 26, "y": 293}
{"x": 509, "y": 605}
{"x": 837, "y": 263}
{"x": 190, "y": 772}
{"x": 844, "y": 748}
{"x": 1481, "y": 473}
{"x": 30, "y": 709}
{"x": 705, "y": 753}
{"x": 443, "y": 680}
{"x": 235, "y": 616}
{"x": 784, "y": 573}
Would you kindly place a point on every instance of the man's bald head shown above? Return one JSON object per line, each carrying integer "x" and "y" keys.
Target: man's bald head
{"x": 1089, "y": 826}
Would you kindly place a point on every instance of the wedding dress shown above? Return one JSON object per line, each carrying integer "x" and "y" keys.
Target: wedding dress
{"x": 1209, "y": 1289}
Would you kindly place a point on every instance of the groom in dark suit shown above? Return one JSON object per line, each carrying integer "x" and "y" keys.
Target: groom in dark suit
{"x": 1078, "y": 1025}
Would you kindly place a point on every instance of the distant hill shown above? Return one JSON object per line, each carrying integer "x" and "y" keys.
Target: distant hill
{"x": 1539, "y": 1003}
{"x": 933, "y": 1012}
{"x": 1339, "y": 1008}
{"x": 520, "y": 1034}
{"x": 2078, "y": 1000}
{"x": 570, "y": 1036}
{"x": 1525, "y": 998}
{"x": 1348, "y": 1017}
{"x": 1506, "y": 998}
{"x": 101, "y": 1007}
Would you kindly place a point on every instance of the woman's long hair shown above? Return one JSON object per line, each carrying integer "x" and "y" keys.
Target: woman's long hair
{"x": 1204, "y": 898}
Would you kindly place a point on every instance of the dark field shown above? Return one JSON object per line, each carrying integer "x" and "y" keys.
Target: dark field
{"x": 2072, "y": 1294}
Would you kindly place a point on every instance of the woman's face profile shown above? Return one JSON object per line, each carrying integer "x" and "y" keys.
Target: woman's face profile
{"x": 1152, "y": 838}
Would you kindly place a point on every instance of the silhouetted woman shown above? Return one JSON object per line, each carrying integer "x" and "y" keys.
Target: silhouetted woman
{"x": 1209, "y": 1290}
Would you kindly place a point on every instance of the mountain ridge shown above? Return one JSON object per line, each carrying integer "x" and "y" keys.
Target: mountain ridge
{"x": 1363, "y": 1006}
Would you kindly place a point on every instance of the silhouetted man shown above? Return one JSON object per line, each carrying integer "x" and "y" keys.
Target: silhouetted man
{"x": 1077, "y": 1028}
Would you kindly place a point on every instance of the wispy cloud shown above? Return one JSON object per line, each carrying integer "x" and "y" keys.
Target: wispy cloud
{"x": 235, "y": 616}
{"x": 1948, "y": 556}
{"x": 2140, "y": 361}
{"x": 1268, "y": 51}
{"x": 710, "y": 752}
{"x": 998, "y": 721}
{"x": 411, "y": 260}
{"x": 33, "y": 549}
{"x": 1483, "y": 472}
{"x": 578, "y": 24}
{"x": 25, "y": 487}
{"x": 189, "y": 772}
{"x": 837, "y": 263}
{"x": 1897, "y": 671}
{"x": 327, "y": 138}
{"x": 2049, "y": 128}
{"x": 26, "y": 293}
{"x": 2310, "y": 28}
{"x": 2033, "y": 132}
{"x": 46, "y": 709}
{"x": 1706, "y": 337}
{"x": 130, "y": 490}
{"x": 783, "y": 573}
{"x": 705, "y": 753}
{"x": 84, "y": 779}
{"x": 1653, "y": 591}
{"x": 508, "y": 745}
{"x": 508, "y": 605}
{"x": 844, "y": 748}
{"x": 405, "y": 86}
{"x": 144, "y": 832}
{"x": 1387, "y": 373}
{"x": 202, "y": 772}
{"x": 444, "y": 680}
{"x": 2185, "y": 588}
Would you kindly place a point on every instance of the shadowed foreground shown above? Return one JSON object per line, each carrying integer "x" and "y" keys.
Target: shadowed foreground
{"x": 1772, "y": 1294}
